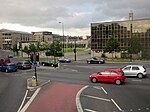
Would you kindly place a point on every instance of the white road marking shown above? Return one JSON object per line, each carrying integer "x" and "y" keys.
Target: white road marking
{"x": 97, "y": 88}
{"x": 147, "y": 108}
{"x": 104, "y": 90}
{"x": 137, "y": 80}
{"x": 131, "y": 110}
{"x": 117, "y": 105}
{"x": 78, "y": 103}
{"x": 30, "y": 101}
{"x": 97, "y": 98}
{"x": 89, "y": 110}
{"x": 23, "y": 101}
{"x": 75, "y": 70}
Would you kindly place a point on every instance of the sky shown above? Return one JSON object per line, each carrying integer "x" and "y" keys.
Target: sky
{"x": 75, "y": 15}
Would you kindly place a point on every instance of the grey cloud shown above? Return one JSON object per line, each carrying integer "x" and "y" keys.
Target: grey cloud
{"x": 74, "y": 13}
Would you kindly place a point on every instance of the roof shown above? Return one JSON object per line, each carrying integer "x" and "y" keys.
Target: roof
{"x": 119, "y": 21}
{"x": 13, "y": 31}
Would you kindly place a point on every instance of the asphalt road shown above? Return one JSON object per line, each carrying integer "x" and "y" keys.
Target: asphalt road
{"x": 12, "y": 89}
{"x": 133, "y": 96}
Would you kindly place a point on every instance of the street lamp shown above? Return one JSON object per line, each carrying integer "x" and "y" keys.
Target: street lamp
{"x": 63, "y": 33}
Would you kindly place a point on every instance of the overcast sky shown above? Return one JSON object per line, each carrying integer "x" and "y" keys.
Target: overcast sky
{"x": 76, "y": 15}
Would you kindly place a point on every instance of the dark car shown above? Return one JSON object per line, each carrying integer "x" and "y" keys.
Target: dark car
{"x": 52, "y": 63}
{"x": 10, "y": 56}
{"x": 24, "y": 65}
{"x": 64, "y": 60}
{"x": 108, "y": 75}
{"x": 95, "y": 60}
{"x": 9, "y": 67}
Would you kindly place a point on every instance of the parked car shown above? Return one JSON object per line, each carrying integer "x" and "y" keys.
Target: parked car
{"x": 95, "y": 60}
{"x": 108, "y": 75}
{"x": 64, "y": 60}
{"x": 4, "y": 61}
{"x": 9, "y": 67}
{"x": 24, "y": 65}
{"x": 52, "y": 63}
{"x": 135, "y": 70}
{"x": 10, "y": 56}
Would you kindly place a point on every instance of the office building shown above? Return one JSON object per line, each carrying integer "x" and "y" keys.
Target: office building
{"x": 122, "y": 31}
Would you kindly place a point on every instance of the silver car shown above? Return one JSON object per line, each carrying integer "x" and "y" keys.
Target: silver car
{"x": 134, "y": 70}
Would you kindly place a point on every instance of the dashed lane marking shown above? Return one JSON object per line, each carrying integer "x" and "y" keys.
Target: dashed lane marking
{"x": 137, "y": 80}
{"x": 117, "y": 106}
{"x": 98, "y": 98}
{"x": 104, "y": 90}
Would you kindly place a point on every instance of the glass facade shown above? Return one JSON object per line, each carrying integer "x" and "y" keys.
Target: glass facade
{"x": 122, "y": 31}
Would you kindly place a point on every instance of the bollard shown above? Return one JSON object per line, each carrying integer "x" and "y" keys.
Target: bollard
{"x": 33, "y": 81}
{"x": 59, "y": 66}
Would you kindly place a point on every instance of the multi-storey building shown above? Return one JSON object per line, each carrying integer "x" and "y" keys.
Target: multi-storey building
{"x": 8, "y": 38}
{"x": 122, "y": 31}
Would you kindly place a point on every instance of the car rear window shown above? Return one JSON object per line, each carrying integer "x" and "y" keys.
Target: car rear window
{"x": 144, "y": 67}
{"x": 26, "y": 63}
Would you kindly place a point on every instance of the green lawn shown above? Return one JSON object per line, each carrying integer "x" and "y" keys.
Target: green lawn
{"x": 72, "y": 49}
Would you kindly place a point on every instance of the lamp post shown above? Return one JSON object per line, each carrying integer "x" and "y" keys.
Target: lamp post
{"x": 63, "y": 33}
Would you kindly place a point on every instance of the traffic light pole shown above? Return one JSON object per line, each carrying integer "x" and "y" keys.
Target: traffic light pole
{"x": 75, "y": 51}
{"x": 34, "y": 62}
{"x": 35, "y": 74}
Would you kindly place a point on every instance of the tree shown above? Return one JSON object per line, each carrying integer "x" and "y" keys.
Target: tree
{"x": 134, "y": 46}
{"x": 112, "y": 46}
{"x": 33, "y": 48}
{"x": 26, "y": 50}
{"x": 15, "y": 48}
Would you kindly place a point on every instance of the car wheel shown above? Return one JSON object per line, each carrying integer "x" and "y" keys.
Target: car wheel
{"x": 99, "y": 62}
{"x": 43, "y": 64}
{"x": 6, "y": 71}
{"x": 52, "y": 65}
{"x": 94, "y": 80}
{"x": 118, "y": 82}
{"x": 140, "y": 76}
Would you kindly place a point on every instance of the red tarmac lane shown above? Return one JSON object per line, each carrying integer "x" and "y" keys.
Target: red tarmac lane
{"x": 57, "y": 97}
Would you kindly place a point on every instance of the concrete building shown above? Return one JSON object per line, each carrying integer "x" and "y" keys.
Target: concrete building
{"x": 122, "y": 31}
{"x": 8, "y": 38}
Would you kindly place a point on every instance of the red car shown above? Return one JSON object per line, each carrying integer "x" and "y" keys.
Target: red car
{"x": 108, "y": 75}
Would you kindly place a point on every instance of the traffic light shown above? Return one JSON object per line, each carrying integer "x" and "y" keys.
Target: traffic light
{"x": 37, "y": 56}
{"x": 31, "y": 57}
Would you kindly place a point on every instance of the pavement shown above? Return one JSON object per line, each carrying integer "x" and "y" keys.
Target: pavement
{"x": 39, "y": 83}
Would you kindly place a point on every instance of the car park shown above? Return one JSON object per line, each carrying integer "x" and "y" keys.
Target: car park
{"x": 64, "y": 60}
{"x": 108, "y": 75}
{"x": 134, "y": 70}
{"x": 52, "y": 63}
{"x": 95, "y": 60}
{"x": 24, "y": 65}
{"x": 9, "y": 67}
